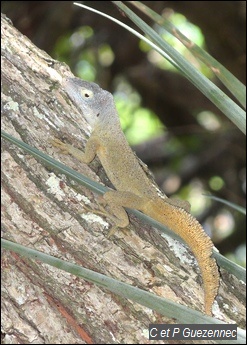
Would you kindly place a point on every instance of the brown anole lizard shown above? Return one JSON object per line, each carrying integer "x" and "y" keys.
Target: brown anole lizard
{"x": 134, "y": 188}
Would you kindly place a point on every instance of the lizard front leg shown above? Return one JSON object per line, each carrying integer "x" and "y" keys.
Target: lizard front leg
{"x": 84, "y": 157}
{"x": 114, "y": 200}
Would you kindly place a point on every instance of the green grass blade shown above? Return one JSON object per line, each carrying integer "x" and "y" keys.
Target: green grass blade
{"x": 232, "y": 205}
{"x": 164, "y": 306}
{"x": 231, "y": 267}
{"x": 211, "y": 91}
{"x": 134, "y": 32}
{"x": 228, "y": 79}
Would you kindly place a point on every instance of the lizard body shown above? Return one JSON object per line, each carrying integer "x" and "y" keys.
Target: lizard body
{"x": 133, "y": 187}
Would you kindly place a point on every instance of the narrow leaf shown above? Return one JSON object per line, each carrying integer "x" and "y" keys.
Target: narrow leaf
{"x": 219, "y": 98}
{"x": 227, "y": 78}
{"x": 162, "y": 305}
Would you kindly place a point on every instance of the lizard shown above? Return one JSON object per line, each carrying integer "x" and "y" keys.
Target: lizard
{"x": 134, "y": 189}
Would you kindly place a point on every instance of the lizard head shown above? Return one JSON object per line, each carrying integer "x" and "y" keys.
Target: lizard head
{"x": 94, "y": 102}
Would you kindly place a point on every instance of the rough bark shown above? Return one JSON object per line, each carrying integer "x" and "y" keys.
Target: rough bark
{"x": 41, "y": 210}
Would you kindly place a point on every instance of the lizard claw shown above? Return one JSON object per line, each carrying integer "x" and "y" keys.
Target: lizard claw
{"x": 103, "y": 212}
{"x": 60, "y": 145}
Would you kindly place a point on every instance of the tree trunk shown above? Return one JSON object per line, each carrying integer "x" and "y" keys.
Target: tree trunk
{"x": 42, "y": 210}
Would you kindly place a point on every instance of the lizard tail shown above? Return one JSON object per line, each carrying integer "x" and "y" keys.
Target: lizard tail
{"x": 191, "y": 231}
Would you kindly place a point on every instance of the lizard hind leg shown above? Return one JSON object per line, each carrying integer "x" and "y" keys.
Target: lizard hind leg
{"x": 109, "y": 209}
{"x": 115, "y": 203}
{"x": 103, "y": 212}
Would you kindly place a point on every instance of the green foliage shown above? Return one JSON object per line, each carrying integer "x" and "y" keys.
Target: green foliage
{"x": 209, "y": 89}
{"x": 138, "y": 123}
{"x": 231, "y": 83}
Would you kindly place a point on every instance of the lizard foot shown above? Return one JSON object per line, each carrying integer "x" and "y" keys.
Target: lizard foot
{"x": 60, "y": 145}
{"x": 103, "y": 212}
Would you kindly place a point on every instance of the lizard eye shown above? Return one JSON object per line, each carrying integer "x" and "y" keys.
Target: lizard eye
{"x": 86, "y": 93}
